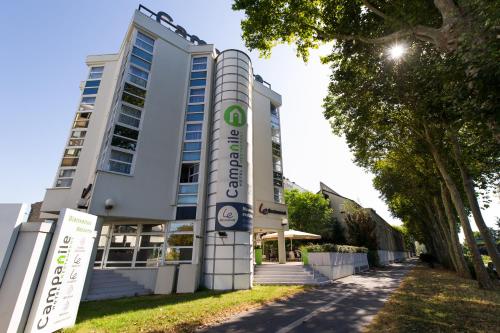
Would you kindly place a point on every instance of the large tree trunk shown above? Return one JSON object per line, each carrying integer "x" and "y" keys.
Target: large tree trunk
{"x": 481, "y": 273}
{"x": 474, "y": 205}
{"x": 446, "y": 233}
{"x": 463, "y": 269}
{"x": 443, "y": 253}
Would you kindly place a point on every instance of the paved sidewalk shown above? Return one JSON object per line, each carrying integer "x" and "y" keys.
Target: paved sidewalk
{"x": 346, "y": 305}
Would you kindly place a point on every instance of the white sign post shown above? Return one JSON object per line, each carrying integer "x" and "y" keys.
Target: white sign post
{"x": 60, "y": 288}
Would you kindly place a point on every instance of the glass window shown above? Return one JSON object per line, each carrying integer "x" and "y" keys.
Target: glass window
{"x": 277, "y": 164}
{"x": 139, "y": 62}
{"x": 120, "y": 167}
{"x": 187, "y": 199}
{"x": 69, "y": 161}
{"x": 120, "y": 255}
{"x": 93, "y": 83}
{"x": 96, "y": 72}
{"x": 198, "y": 82}
{"x": 72, "y": 152}
{"x": 90, "y": 91}
{"x": 153, "y": 254}
{"x": 130, "y": 111}
{"x": 185, "y": 213}
{"x": 278, "y": 195}
{"x": 196, "y": 99}
{"x": 88, "y": 100}
{"x": 144, "y": 45}
{"x": 125, "y": 228}
{"x": 75, "y": 142}
{"x": 189, "y": 173}
{"x": 194, "y": 117}
{"x": 118, "y": 240}
{"x": 64, "y": 182}
{"x": 65, "y": 173}
{"x": 139, "y": 72}
{"x": 197, "y": 67}
{"x": 193, "y": 132}
{"x": 135, "y": 90}
{"x": 200, "y": 60}
{"x": 180, "y": 226}
{"x": 179, "y": 254}
{"x": 142, "y": 54}
{"x": 193, "y": 127}
{"x": 192, "y": 146}
{"x": 78, "y": 134}
{"x": 133, "y": 100}
{"x": 199, "y": 75}
{"x": 188, "y": 189}
{"x": 197, "y": 92}
{"x": 123, "y": 143}
{"x": 153, "y": 227}
{"x": 131, "y": 121}
{"x": 145, "y": 38}
{"x": 180, "y": 240}
{"x": 191, "y": 156}
{"x": 126, "y": 132}
{"x": 195, "y": 108}
{"x": 121, "y": 156}
{"x": 137, "y": 80}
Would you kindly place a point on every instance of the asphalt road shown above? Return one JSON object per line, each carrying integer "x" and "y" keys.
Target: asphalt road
{"x": 346, "y": 305}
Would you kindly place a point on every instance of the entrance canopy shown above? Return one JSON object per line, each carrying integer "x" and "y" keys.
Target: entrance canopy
{"x": 292, "y": 234}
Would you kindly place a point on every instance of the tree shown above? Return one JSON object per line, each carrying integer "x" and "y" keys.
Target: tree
{"x": 438, "y": 99}
{"x": 309, "y": 212}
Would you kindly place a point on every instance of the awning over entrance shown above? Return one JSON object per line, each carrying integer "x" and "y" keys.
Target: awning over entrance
{"x": 292, "y": 234}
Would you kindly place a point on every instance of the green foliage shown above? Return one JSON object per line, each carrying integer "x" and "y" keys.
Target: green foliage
{"x": 360, "y": 228}
{"x": 308, "y": 212}
{"x": 327, "y": 247}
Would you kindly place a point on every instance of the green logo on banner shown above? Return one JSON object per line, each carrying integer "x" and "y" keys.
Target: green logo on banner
{"x": 235, "y": 116}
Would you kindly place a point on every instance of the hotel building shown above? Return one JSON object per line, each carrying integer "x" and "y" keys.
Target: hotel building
{"x": 176, "y": 147}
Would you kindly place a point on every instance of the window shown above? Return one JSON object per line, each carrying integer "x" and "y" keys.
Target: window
{"x": 188, "y": 189}
{"x": 78, "y": 134}
{"x": 88, "y": 100}
{"x": 195, "y": 108}
{"x": 145, "y": 38}
{"x": 75, "y": 142}
{"x": 276, "y": 149}
{"x": 199, "y": 63}
{"x": 69, "y": 161}
{"x": 72, "y": 152}
{"x": 196, "y": 99}
{"x": 122, "y": 243}
{"x": 65, "y": 177}
{"x": 123, "y": 143}
{"x": 126, "y": 132}
{"x": 193, "y": 132}
{"x": 150, "y": 249}
{"x": 198, "y": 82}
{"x": 96, "y": 72}
{"x": 199, "y": 75}
{"x": 139, "y": 62}
{"x": 199, "y": 67}
{"x": 278, "y": 195}
{"x": 277, "y": 164}
{"x": 186, "y": 213}
{"x": 275, "y": 135}
{"x": 197, "y": 92}
{"x": 134, "y": 100}
{"x": 93, "y": 83}
{"x": 138, "y": 76}
{"x": 191, "y": 151}
{"x": 137, "y": 80}
{"x": 180, "y": 239}
{"x": 134, "y": 90}
{"x": 189, "y": 172}
{"x": 142, "y": 54}
{"x": 90, "y": 91}
{"x": 194, "y": 117}
{"x": 82, "y": 120}
{"x": 120, "y": 161}
{"x": 139, "y": 72}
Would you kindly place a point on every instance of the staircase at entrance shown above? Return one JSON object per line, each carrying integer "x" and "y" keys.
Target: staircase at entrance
{"x": 290, "y": 273}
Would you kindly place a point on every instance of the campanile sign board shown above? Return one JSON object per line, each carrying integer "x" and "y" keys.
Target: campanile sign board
{"x": 233, "y": 210}
{"x": 61, "y": 284}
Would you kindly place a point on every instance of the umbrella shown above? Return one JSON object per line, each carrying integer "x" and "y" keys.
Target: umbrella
{"x": 292, "y": 234}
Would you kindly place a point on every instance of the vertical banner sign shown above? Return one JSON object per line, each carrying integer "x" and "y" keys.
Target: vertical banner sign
{"x": 60, "y": 288}
{"x": 233, "y": 211}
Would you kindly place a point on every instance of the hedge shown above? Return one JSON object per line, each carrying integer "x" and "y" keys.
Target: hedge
{"x": 334, "y": 248}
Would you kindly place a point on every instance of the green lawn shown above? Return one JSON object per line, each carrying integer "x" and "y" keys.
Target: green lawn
{"x": 435, "y": 300}
{"x": 172, "y": 313}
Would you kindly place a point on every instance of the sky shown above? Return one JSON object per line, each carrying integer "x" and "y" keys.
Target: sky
{"x": 45, "y": 45}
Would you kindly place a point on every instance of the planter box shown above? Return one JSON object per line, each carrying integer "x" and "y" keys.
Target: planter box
{"x": 336, "y": 265}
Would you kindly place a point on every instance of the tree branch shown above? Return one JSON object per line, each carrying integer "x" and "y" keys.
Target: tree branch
{"x": 376, "y": 11}
{"x": 448, "y": 9}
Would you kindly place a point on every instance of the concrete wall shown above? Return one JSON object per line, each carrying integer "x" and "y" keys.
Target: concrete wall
{"x": 388, "y": 257}
{"x": 337, "y": 265}
{"x": 22, "y": 275}
{"x": 143, "y": 276}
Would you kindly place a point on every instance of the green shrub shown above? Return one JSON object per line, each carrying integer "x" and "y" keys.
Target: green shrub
{"x": 334, "y": 248}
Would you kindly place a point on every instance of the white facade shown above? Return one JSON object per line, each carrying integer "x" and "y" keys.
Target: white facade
{"x": 146, "y": 154}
